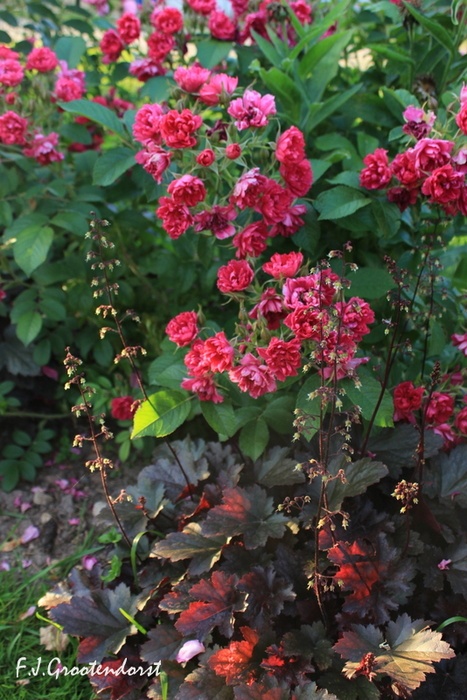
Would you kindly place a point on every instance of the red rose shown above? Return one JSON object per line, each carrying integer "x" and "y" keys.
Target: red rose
{"x": 236, "y": 276}
{"x": 129, "y": 27}
{"x": 123, "y": 408}
{"x": 183, "y": 328}
{"x": 377, "y": 173}
{"x": 407, "y": 399}
{"x": 206, "y": 157}
{"x": 177, "y": 128}
{"x": 233, "y": 151}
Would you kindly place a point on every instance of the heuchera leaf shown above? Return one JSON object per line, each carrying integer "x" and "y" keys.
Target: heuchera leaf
{"x": 407, "y": 653}
{"x": 97, "y": 618}
{"x": 311, "y": 692}
{"x": 358, "y": 477}
{"x": 120, "y": 685}
{"x": 266, "y": 594}
{"x": 235, "y": 662}
{"x": 204, "y": 684}
{"x": 248, "y": 512}
{"x": 163, "y": 643}
{"x": 166, "y": 469}
{"x": 216, "y": 602}
{"x": 310, "y": 641}
{"x": 192, "y": 544}
{"x": 259, "y": 691}
{"x": 378, "y": 578}
{"x": 276, "y": 469}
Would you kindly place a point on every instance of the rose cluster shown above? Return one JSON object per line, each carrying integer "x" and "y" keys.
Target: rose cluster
{"x": 166, "y": 29}
{"x": 291, "y": 317}
{"x": 434, "y": 168}
{"x": 268, "y": 205}
{"x": 437, "y": 408}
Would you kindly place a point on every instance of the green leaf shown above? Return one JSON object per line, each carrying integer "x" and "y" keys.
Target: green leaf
{"x": 210, "y": 53}
{"x": 358, "y": 477}
{"x": 273, "y": 56}
{"x": 167, "y": 371}
{"x": 370, "y": 283}
{"x": 96, "y": 113}
{"x": 283, "y": 87}
{"x": 191, "y": 543}
{"x": 29, "y": 326}
{"x": 157, "y": 89}
{"x": 321, "y": 111}
{"x": 254, "y": 438}
{"x": 433, "y": 27}
{"x": 24, "y": 223}
{"x": 31, "y": 247}
{"x": 276, "y": 469}
{"x": 339, "y": 202}
{"x": 388, "y": 217}
{"x": 111, "y": 164}
{"x": 387, "y": 52}
{"x": 221, "y": 417}
{"x": 161, "y": 414}
{"x": 367, "y": 396}
{"x": 70, "y": 49}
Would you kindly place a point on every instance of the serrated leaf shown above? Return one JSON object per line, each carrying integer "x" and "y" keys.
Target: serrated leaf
{"x": 234, "y": 662}
{"x": 371, "y": 282}
{"x": 163, "y": 643}
{"x": 221, "y": 417}
{"x": 96, "y": 617}
{"x": 161, "y": 414}
{"x": 367, "y": 396}
{"x": 70, "y": 49}
{"x": 310, "y": 691}
{"x": 216, "y": 601}
{"x": 310, "y": 641}
{"x": 175, "y": 471}
{"x": 211, "y": 52}
{"x": 111, "y": 165}
{"x": 339, "y": 202}
{"x": 247, "y": 512}
{"x": 456, "y": 572}
{"x": 452, "y": 472}
{"x": 96, "y": 113}
{"x": 253, "y": 438}
{"x": 276, "y": 469}
{"x": 397, "y": 447}
{"x": 407, "y": 653}
{"x": 167, "y": 371}
{"x": 191, "y": 543}
{"x": 28, "y": 326}
{"x": 377, "y": 578}
{"x": 358, "y": 477}
{"x": 31, "y": 247}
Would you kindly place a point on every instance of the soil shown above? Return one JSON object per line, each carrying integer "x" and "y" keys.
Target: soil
{"x": 58, "y": 510}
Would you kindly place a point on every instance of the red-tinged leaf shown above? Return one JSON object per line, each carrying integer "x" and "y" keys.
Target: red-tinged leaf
{"x": 98, "y": 617}
{"x": 178, "y": 599}
{"x": 310, "y": 691}
{"x": 204, "y": 684}
{"x": 310, "y": 641}
{"x": 247, "y": 512}
{"x": 406, "y": 654}
{"x": 203, "y": 550}
{"x": 120, "y": 685}
{"x": 163, "y": 643}
{"x": 376, "y": 576}
{"x": 266, "y": 594}
{"x": 287, "y": 669}
{"x": 235, "y": 662}
{"x": 216, "y": 602}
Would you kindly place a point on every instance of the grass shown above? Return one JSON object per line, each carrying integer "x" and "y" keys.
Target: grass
{"x": 20, "y": 638}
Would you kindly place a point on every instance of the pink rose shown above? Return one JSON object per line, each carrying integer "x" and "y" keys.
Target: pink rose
{"x": 283, "y": 358}
{"x": 176, "y": 218}
{"x": 407, "y": 399}
{"x": 220, "y": 85}
{"x": 42, "y": 59}
{"x": 285, "y": 265}
{"x": 13, "y": 129}
{"x": 191, "y": 79}
{"x": 188, "y": 190}
{"x": 177, "y": 128}
{"x": 146, "y": 127}
{"x": 290, "y": 146}
{"x": 236, "y": 276}
{"x": 123, "y": 408}
{"x": 377, "y": 173}
{"x": 252, "y": 110}
{"x": 253, "y": 377}
{"x": 440, "y": 407}
{"x": 221, "y": 26}
{"x": 183, "y": 328}
{"x": 129, "y": 27}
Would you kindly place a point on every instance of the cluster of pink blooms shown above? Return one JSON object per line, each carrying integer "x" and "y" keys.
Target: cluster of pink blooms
{"x": 435, "y": 168}
{"x": 170, "y": 29}
{"x": 15, "y": 130}
{"x": 293, "y": 316}
{"x": 272, "y": 203}
{"x": 438, "y": 407}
